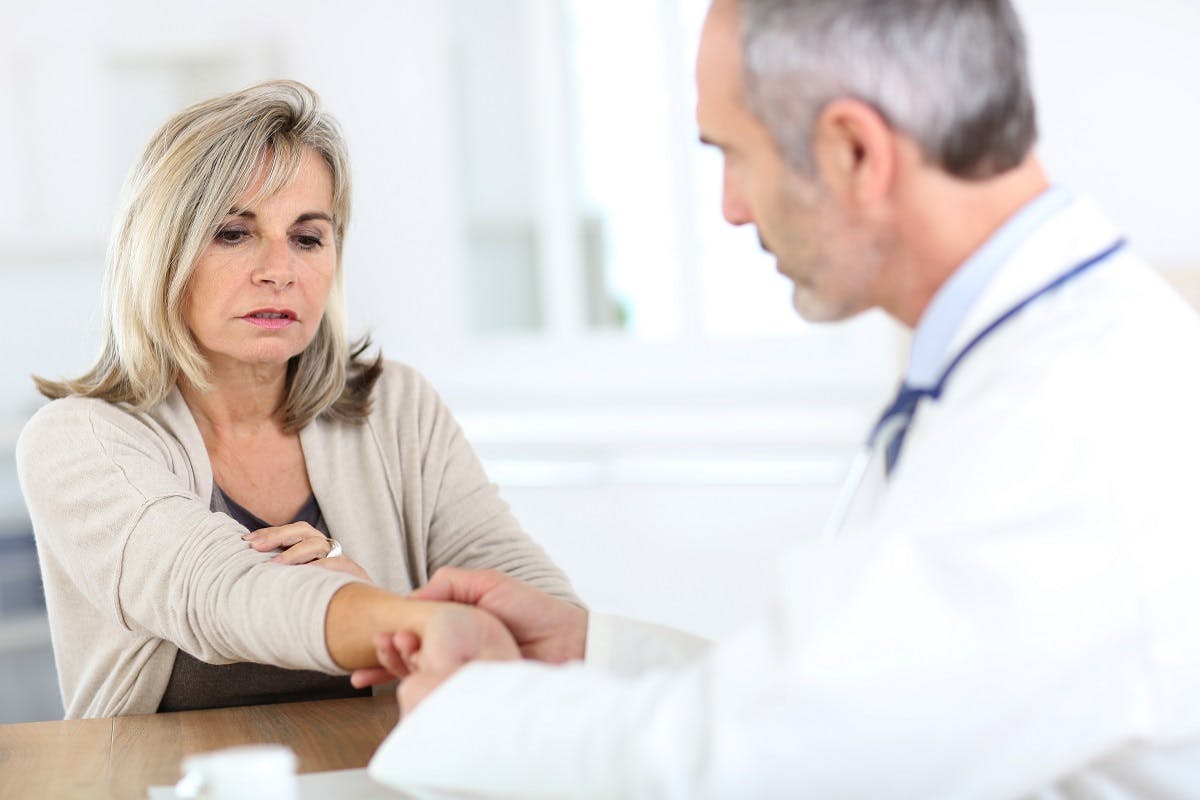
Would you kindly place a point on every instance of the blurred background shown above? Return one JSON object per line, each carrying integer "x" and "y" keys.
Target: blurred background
{"x": 537, "y": 229}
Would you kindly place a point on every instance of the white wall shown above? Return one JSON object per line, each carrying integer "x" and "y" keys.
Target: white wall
{"x": 1115, "y": 82}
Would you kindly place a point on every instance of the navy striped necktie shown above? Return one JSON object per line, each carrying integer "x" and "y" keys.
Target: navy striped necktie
{"x": 898, "y": 416}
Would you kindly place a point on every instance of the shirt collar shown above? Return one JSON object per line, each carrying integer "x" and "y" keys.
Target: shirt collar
{"x": 955, "y": 299}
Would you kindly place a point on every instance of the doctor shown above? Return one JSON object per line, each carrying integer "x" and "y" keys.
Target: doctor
{"x": 1011, "y": 605}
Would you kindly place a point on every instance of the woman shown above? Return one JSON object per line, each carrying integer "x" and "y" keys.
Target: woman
{"x": 227, "y": 431}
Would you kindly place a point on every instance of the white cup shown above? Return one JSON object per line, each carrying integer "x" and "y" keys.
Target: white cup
{"x": 256, "y": 772}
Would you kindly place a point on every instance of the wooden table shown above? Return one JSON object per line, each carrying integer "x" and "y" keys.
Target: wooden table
{"x": 119, "y": 757}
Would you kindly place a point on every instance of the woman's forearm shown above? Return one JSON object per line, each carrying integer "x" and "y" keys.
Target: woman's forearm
{"x": 357, "y": 612}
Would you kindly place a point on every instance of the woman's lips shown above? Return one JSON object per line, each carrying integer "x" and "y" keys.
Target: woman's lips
{"x": 272, "y": 319}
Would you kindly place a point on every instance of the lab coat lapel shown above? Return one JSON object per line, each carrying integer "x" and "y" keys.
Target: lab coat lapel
{"x": 1072, "y": 236}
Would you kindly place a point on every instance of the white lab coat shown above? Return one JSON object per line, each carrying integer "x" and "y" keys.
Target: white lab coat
{"x": 1015, "y": 613}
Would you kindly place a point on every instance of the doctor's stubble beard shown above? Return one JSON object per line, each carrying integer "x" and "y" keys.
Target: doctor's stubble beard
{"x": 833, "y": 261}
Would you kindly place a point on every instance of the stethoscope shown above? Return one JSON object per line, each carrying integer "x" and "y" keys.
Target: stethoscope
{"x": 887, "y": 436}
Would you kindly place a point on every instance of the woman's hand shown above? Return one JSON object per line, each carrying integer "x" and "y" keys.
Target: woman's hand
{"x": 298, "y": 542}
{"x": 301, "y": 543}
{"x": 342, "y": 564}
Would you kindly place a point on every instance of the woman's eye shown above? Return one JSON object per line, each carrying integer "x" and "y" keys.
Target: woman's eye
{"x": 307, "y": 242}
{"x": 231, "y": 235}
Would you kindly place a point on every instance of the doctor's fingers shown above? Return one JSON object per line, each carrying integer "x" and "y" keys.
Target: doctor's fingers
{"x": 458, "y": 585}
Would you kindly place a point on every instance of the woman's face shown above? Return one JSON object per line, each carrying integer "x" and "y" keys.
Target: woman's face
{"x": 259, "y": 289}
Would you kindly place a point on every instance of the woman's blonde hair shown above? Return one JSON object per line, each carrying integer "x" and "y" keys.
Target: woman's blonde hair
{"x": 194, "y": 170}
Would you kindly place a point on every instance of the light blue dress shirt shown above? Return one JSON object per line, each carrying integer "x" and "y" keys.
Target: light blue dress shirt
{"x": 958, "y": 295}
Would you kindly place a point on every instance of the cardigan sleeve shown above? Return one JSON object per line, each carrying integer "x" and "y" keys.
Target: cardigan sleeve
{"x": 468, "y": 524}
{"x": 112, "y": 503}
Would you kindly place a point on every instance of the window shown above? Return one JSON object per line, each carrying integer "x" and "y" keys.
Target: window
{"x": 591, "y": 213}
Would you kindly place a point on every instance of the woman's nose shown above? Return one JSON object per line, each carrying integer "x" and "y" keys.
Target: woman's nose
{"x": 275, "y": 266}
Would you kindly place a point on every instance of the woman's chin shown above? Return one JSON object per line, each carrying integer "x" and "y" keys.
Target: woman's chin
{"x": 255, "y": 359}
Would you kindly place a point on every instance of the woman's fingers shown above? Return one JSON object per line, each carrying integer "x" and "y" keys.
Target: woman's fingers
{"x": 299, "y": 542}
{"x": 370, "y": 676}
{"x": 342, "y": 564}
{"x": 390, "y": 658}
{"x": 282, "y": 536}
{"x": 303, "y": 552}
{"x": 407, "y": 646}
{"x": 394, "y": 652}
{"x": 278, "y": 537}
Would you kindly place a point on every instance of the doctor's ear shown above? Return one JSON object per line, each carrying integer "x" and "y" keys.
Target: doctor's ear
{"x": 855, "y": 152}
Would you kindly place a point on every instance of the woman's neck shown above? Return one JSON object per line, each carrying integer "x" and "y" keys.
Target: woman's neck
{"x": 238, "y": 402}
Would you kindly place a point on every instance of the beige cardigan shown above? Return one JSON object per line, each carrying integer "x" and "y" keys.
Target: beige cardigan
{"x": 136, "y": 566}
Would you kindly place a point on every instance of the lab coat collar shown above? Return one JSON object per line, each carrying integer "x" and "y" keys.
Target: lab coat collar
{"x": 1073, "y": 235}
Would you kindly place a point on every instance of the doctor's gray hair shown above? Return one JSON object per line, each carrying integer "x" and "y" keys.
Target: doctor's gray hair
{"x": 193, "y": 171}
{"x": 950, "y": 74}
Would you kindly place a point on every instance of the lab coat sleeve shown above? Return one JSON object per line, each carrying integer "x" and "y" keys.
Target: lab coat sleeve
{"x": 884, "y": 668}
{"x": 628, "y": 647}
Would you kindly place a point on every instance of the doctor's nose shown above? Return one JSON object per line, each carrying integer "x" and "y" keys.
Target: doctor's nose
{"x": 734, "y": 207}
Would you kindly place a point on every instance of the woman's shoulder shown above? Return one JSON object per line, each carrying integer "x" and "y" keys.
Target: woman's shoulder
{"x": 72, "y": 422}
{"x": 405, "y": 407}
{"x": 401, "y": 385}
{"x": 76, "y": 439}
{"x": 72, "y": 413}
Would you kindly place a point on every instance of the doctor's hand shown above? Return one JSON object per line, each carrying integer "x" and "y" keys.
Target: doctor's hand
{"x": 545, "y": 628}
{"x": 452, "y": 635}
